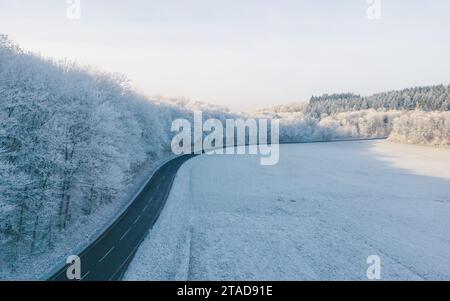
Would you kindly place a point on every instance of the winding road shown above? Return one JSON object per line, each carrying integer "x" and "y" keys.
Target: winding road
{"x": 107, "y": 258}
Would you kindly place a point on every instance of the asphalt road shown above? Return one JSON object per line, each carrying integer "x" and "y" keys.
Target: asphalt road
{"x": 108, "y": 257}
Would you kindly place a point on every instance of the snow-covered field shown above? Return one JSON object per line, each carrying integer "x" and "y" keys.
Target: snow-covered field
{"x": 318, "y": 214}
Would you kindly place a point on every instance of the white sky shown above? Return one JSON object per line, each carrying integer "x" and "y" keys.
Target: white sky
{"x": 244, "y": 54}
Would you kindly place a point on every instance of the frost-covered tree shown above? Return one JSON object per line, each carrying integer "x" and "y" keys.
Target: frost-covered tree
{"x": 418, "y": 127}
{"x": 424, "y": 98}
{"x": 71, "y": 139}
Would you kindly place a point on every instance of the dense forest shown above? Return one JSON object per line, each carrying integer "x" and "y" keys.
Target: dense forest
{"x": 418, "y": 115}
{"x": 71, "y": 139}
{"x": 434, "y": 98}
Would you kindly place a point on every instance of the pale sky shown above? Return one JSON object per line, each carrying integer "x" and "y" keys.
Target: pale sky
{"x": 244, "y": 54}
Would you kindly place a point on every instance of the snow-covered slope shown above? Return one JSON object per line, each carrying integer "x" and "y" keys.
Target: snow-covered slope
{"x": 318, "y": 214}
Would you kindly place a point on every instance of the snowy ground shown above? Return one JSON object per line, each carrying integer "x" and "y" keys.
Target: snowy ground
{"x": 318, "y": 214}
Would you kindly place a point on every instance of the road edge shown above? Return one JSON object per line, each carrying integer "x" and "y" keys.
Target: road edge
{"x": 102, "y": 230}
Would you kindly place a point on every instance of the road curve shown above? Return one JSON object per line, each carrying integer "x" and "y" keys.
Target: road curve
{"x": 107, "y": 258}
